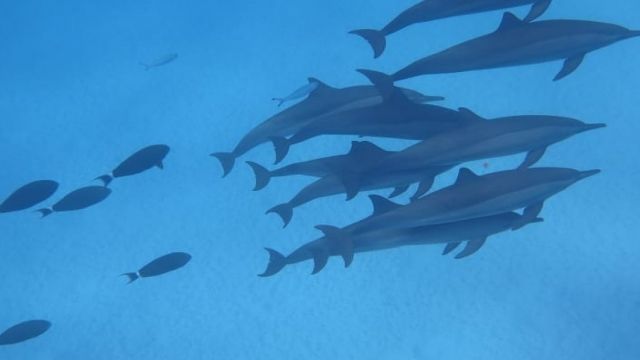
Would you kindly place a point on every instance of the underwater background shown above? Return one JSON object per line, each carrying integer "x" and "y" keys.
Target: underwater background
{"x": 74, "y": 101}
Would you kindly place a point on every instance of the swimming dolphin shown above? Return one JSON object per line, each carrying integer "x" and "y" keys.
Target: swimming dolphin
{"x": 483, "y": 139}
{"x": 517, "y": 42}
{"x": 24, "y": 331}
{"x": 298, "y": 93}
{"x": 361, "y": 154}
{"x": 141, "y": 160}
{"x": 163, "y": 60}
{"x": 334, "y": 184}
{"x": 474, "y": 196}
{"x": 344, "y": 243}
{"x": 395, "y": 117}
{"x": 78, "y": 199}
{"x": 323, "y": 100}
{"x": 159, "y": 266}
{"x": 429, "y": 10}
{"x": 29, "y": 195}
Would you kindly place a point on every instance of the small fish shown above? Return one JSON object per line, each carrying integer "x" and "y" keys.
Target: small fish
{"x": 24, "y": 331}
{"x": 159, "y": 266}
{"x": 163, "y": 60}
{"x": 78, "y": 199}
{"x": 29, "y": 195}
{"x": 299, "y": 93}
{"x": 140, "y": 161}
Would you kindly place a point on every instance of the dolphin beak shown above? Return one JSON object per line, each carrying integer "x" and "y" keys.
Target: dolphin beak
{"x": 588, "y": 127}
{"x": 588, "y": 173}
{"x": 427, "y": 99}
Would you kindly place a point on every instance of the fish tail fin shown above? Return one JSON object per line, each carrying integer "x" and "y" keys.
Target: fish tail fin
{"x": 277, "y": 262}
{"x": 279, "y": 100}
{"x": 285, "y": 211}
{"x": 375, "y": 38}
{"x": 281, "y": 146}
{"x": 132, "y": 276}
{"x": 263, "y": 176}
{"x": 45, "y": 212}
{"x": 227, "y": 160}
{"x": 106, "y": 179}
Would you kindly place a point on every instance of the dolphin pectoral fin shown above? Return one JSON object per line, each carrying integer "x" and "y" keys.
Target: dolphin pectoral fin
{"x": 471, "y": 248}
{"x": 281, "y": 147}
{"x": 537, "y": 9}
{"x": 351, "y": 184}
{"x": 570, "y": 65}
{"x": 450, "y": 247}
{"x": 340, "y": 241}
{"x": 530, "y": 215}
{"x": 532, "y": 158}
{"x": 423, "y": 188}
{"x": 399, "y": 190}
{"x": 320, "y": 258}
{"x": 160, "y": 165}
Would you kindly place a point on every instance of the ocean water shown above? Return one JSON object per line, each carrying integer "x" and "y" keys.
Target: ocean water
{"x": 74, "y": 102}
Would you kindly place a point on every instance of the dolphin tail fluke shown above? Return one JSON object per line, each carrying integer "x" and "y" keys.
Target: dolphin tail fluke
{"x": 263, "y": 176}
{"x": 375, "y": 38}
{"x": 383, "y": 82}
{"x": 281, "y": 146}
{"x": 131, "y": 276}
{"x": 537, "y": 9}
{"x": 280, "y": 101}
{"x": 45, "y": 212}
{"x": 277, "y": 262}
{"x": 106, "y": 179}
{"x": 227, "y": 160}
{"x": 285, "y": 211}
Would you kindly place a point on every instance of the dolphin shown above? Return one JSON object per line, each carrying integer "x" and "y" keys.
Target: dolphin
{"x": 323, "y": 100}
{"x": 141, "y": 160}
{"x": 334, "y": 184}
{"x": 298, "y": 93}
{"x": 483, "y": 139}
{"x": 78, "y": 199}
{"x": 159, "y": 266}
{"x": 345, "y": 243}
{"x": 429, "y": 10}
{"x": 163, "y": 60}
{"x": 361, "y": 154}
{"x": 474, "y": 196}
{"x": 29, "y": 195}
{"x": 517, "y": 42}
{"x": 395, "y": 117}
{"x": 24, "y": 331}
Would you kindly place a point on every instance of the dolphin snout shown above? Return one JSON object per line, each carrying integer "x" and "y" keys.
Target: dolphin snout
{"x": 588, "y": 127}
{"x": 588, "y": 173}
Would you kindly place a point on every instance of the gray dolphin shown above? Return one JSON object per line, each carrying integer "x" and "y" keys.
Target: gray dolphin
{"x": 163, "y": 60}
{"x": 141, "y": 160}
{"x": 159, "y": 266}
{"x": 29, "y": 195}
{"x": 517, "y": 42}
{"x": 395, "y": 117}
{"x": 24, "y": 331}
{"x": 429, "y": 10}
{"x": 482, "y": 139}
{"x": 334, "y": 184}
{"x": 361, "y": 155}
{"x": 323, "y": 100}
{"x": 78, "y": 199}
{"x": 345, "y": 243}
{"x": 298, "y": 93}
{"x": 474, "y": 196}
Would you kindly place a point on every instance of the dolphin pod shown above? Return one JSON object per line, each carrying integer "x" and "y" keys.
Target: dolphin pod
{"x": 428, "y": 10}
{"x": 517, "y": 42}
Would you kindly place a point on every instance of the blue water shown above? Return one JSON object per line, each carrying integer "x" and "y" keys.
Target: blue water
{"x": 74, "y": 102}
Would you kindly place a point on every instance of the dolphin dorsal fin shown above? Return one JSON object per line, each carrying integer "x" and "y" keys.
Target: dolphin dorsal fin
{"x": 365, "y": 148}
{"x": 469, "y": 115}
{"x": 382, "y": 205}
{"x": 465, "y": 175}
{"x": 509, "y": 21}
{"x": 329, "y": 230}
